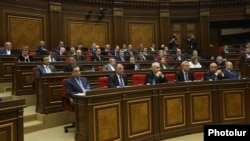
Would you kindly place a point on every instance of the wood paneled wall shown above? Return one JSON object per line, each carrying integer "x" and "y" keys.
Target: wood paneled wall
{"x": 131, "y": 22}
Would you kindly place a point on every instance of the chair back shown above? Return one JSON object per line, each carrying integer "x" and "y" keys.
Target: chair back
{"x": 103, "y": 82}
{"x": 99, "y": 68}
{"x": 138, "y": 79}
{"x": 198, "y": 75}
{"x": 170, "y": 77}
{"x": 67, "y": 102}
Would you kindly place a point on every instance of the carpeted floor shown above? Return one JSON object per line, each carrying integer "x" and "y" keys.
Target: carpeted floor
{"x": 57, "y": 134}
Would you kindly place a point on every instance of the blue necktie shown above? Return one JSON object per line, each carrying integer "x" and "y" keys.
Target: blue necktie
{"x": 80, "y": 84}
{"x": 121, "y": 81}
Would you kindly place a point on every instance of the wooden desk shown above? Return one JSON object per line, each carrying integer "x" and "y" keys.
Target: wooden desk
{"x": 11, "y": 120}
{"x": 245, "y": 68}
{"x": 49, "y": 87}
{"x": 156, "y": 112}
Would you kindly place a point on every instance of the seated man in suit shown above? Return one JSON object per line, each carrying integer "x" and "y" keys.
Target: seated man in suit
{"x": 213, "y": 73}
{"x": 246, "y": 54}
{"x": 25, "y": 57}
{"x": 7, "y": 49}
{"x": 41, "y": 48}
{"x": 178, "y": 56}
{"x": 121, "y": 56}
{"x": 229, "y": 73}
{"x": 53, "y": 57}
{"x": 45, "y": 67}
{"x": 118, "y": 79}
{"x": 110, "y": 66}
{"x": 184, "y": 74}
{"x": 132, "y": 60}
{"x": 76, "y": 84}
{"x": 97, "y": 55}
{"x": 79, "y": 55}
{"x": 72, "y": 62}
{"x": 155, "y": 76}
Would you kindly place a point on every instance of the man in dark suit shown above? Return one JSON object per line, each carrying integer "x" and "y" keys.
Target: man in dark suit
{"x": 184, "y": 74}
{"x": 41, "y": 48}
{"x": 45, "y": 67}
{"x": 53, "y": 57}
{"x": 7, "y": 49}
{"x": 155, "y": 76}
{"x": 225, "y": 51}
{"x": 121, "y": 56}
{"x": 72, "y": 62}
{"x": 118, "y": 79}
{"x": 97, "y": 56}
{"x": 76, "y": 84}
{"x": 213, "y": 73}
{"x": 178, "y": 56}
{"x": 229, "y": 72}
{"x": 79, "y": 56}
{"x": 132, "y": 60}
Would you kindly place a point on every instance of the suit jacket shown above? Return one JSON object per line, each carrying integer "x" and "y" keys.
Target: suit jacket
{"x": 166, "y": 65}
{"x": 118, "y": 58}
{"x": 72, "y": 86}
{"x": 20, "y": 58}
{"x": 41, "y": 50}
{"x": 56, "y": 58}
{"x": 176, "y": 58}
{"x": 95, "y": 58}
{"x": 150, "y": 76}
{"x": 232, "y": 74}
{"x": 114, "y": 81}
{"x": 209, "y": 75}
{"x": 179, "y": 76}
{"x": 68, "y": 68}
{"x": 40, "y": 70}
{"x": 107, "y": 67}
{"x": 80, "y": 58}
{"x": 140, "y": 58}
{"x": 138, "y": 66}
{"x": 4, "y": 51}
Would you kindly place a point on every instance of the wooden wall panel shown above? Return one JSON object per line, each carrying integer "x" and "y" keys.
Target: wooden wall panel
{"x": 201, "y": 108}
{"x": 144, "y": 33}
{"x": 174, "y": 111}
{"x": 138, "y": 125}
{"x": 88, "y": 33}
{"x": 108, "y": 119}
{"x": 25, "y": 29}
{"x": 233, "y": 105}
{"x": 7, "y": 132}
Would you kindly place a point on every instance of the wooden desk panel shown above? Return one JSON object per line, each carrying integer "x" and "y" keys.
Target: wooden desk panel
{"x": 11, "y": 120}
{"x": 157, "y": 112}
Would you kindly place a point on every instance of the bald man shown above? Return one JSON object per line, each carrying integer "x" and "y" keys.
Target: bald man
{"x": 213, "y": 73}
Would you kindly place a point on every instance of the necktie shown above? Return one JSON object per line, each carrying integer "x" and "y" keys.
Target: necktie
{"x": 121, "y": 82}
{"x": 186, "y": 76}
{"x": 80, "y": 83}
{"x": 47, "y": 69}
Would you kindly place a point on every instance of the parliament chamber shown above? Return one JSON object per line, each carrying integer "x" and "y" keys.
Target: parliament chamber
{"x": 136, "y": 112}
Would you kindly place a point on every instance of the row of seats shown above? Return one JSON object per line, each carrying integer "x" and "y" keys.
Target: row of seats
{"x": 138, "y": 79}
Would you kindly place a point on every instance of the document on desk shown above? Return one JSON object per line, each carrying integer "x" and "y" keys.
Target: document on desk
{"x": 82, "y": 94}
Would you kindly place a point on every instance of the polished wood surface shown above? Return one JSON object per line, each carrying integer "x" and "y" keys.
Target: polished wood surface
{"x": 11, "y": 120}
{"x": 157, "y": 112}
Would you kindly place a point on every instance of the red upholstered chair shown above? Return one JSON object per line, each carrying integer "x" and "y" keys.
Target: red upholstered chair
{"x": 103, "y": 82}
{"x": 170, "y": 77}
{"x": 67, "y": 103}
{"x": 99, "y": 68}
{"x": 198, "y": 75}
{"x": 138, "y": 79}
